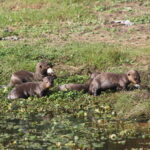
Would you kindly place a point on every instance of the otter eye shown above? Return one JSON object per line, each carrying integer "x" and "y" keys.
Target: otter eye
{"x": 128, "y": 74}
{"x": 40, "y": 66}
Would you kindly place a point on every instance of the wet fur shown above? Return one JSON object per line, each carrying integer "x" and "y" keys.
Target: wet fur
{"x": 28, "y": 89}
{"x": 23, "y": 76}
{"x": 113, "y": 81}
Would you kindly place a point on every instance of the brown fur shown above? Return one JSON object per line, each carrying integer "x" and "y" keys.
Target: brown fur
{"x": 78, "y": 87}
{"x": 72, "y": 86}
{"x": 25, "y": 90}
{"x": 23, "y": 76}
{"x": 108, "y": 80}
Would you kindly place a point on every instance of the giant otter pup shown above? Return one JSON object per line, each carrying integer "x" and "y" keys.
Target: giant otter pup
{"x": 43, "y": 69}
{"x": 108, "y": 80}
{"x": 25, "y": 90}
{"x": 78, "y": 87}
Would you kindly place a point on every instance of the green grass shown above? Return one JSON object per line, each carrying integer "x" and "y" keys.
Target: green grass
{"x": 71, "y": 120}
{"x": 76, "y": 117}
{"x": 100, "y": 56}
{"x": 48, "y": 13}
{"x": 133, "y": 105}
{"x": 144, "y": 19}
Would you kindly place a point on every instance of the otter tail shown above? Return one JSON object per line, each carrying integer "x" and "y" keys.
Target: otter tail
{"x": 62, "y": 87}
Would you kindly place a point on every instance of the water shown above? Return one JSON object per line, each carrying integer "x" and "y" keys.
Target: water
{"x": 69, "y": 133}
{"x": 143, "y": 144}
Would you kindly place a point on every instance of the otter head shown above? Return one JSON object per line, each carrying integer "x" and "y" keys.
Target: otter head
{"x": 134, "y": 77}
{"x": 48, "y": 81}
{"x": 44, "y": 68}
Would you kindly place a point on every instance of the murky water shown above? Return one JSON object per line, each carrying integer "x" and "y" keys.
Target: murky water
{"x": 142, "y": 144}
{"x": 38, "y": 133}
{"x": 129, "y": 144}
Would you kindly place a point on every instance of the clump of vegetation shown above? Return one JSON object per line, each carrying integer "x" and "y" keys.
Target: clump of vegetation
{"x": 144, "y": 19}
{"x": 101, "y": 8}
{"x": 99, "y": 55}
{"x": 133, "y": 105}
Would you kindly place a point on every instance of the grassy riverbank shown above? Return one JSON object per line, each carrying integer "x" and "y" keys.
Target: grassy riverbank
{"x": 78, "y": 37}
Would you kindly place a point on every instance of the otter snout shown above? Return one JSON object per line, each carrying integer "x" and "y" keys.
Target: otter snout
{"x": 134, "y": 77}
{"x": 48, "y": 81}
{"x": 137, "y": 79}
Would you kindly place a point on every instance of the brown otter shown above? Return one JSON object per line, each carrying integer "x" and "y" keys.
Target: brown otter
{"x": 25, "y": 90}
{"x": 108, "y": 80}
{"x": 78, "y": 87}
{"x": 43, "y": 69}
